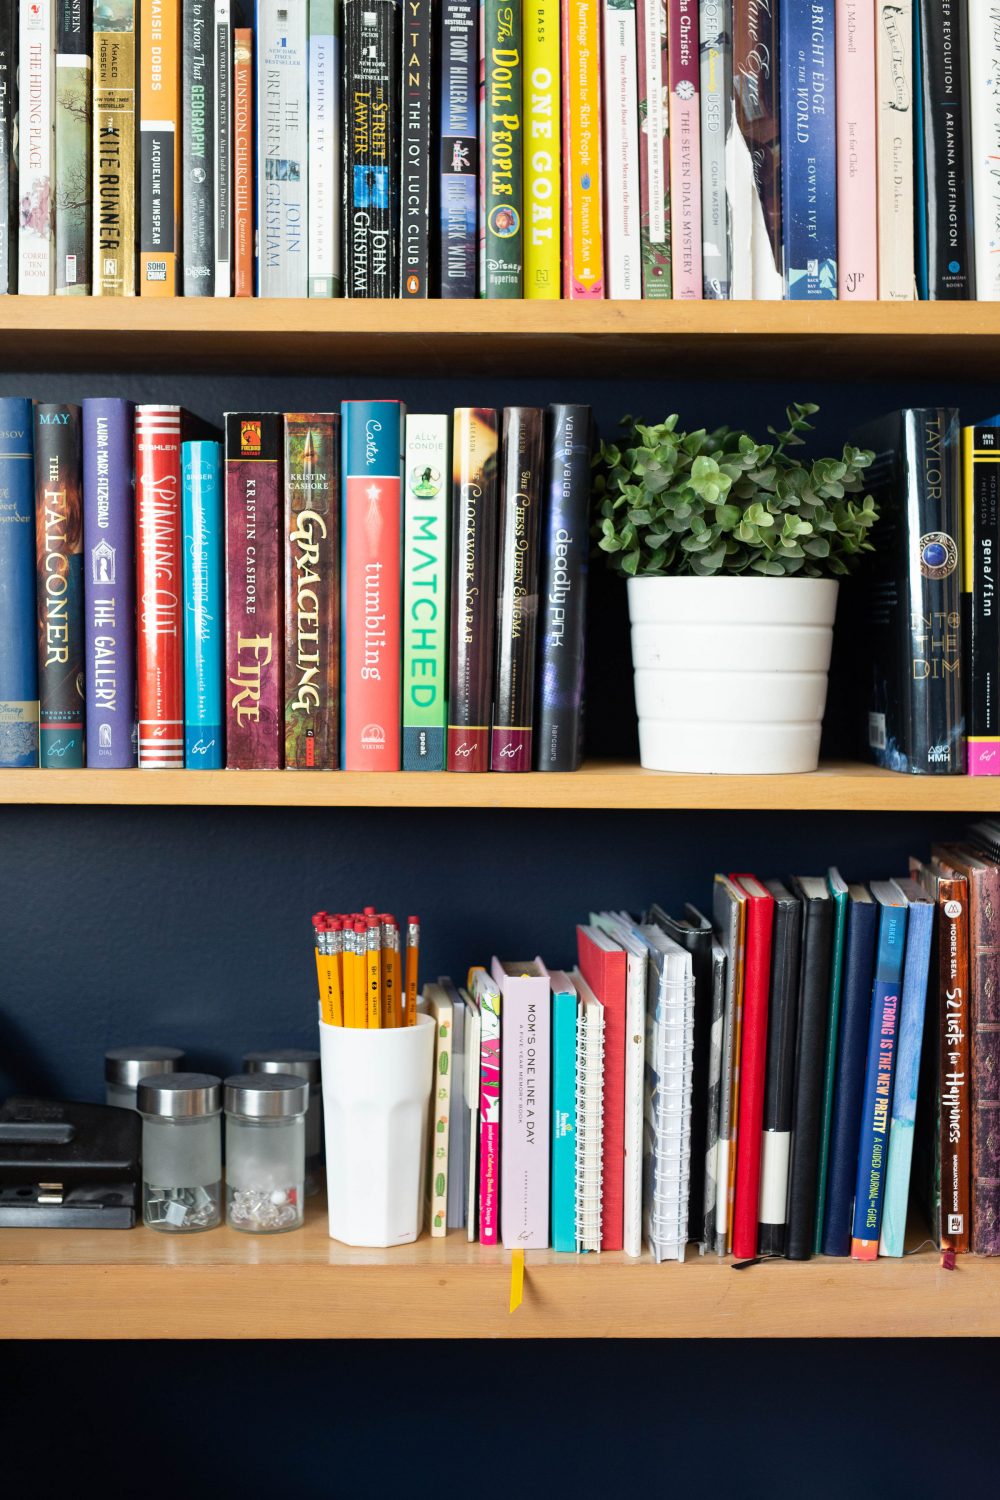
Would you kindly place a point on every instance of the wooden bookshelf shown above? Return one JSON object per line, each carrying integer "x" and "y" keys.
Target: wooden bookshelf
{"x": 599, "y": 784}
{"x": 81, "y": 1284}
{"x": 846, "y": 339}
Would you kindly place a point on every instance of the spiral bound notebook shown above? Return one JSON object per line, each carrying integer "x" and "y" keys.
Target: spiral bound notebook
{"x": 589, "y": 1116}
{"x": 669, "y": 1078}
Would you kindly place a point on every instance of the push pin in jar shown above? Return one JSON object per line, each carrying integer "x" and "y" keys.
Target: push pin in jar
{"x": 265, "y": 1151}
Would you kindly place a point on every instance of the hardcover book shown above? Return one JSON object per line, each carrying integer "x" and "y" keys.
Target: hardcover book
{"x": 9, "y": 205}
{"x": 562, "y": 591}
{"x": 159, "y": 588}
{"x": 852, "y": 1045}
{"x": 502, "y": 147}
{"x": 517, "y": 589}
{"x": 37, "y": 148}
{"x": 222, "y": 132}
{"x": 159, "y": 147}
{"x": 425, "y": 594}
{"x": 564, "y": 1122}
{"x": 372, "y": 542}
{"x": 473, "y": 588}
{"x": 685, "y": 149}
{"x": 73, "y": 159}
{"x": 372, "y": 53}
{"x": 808, "y": 151}
{"x": 583, "y": 203}
{"x": 254, "y": 677}
{"x": 458, "y": 1113}
{"x": 715, "y": 21}
{"x": 415, "y": 156}
{"x": 18, "y": 634}
{"x": 59, "y": 564}
{"x": 198, "y": 82}
{"x": 838, "y": 889}
{"x": 621, "y": 151}
{"x": 590, "y": 1065}
{"x": 525, "y": 1048}
{"x": 779, "y": 1076}
{"x": 458, "y": 236}
{"x": 981, "y": 620}
{"x": 604, "y": 967}
{"x": 114, "y": 149}
{"x": 312, "y": 590}
{"x": 109, "y": 582}
{"x": 894, "y": 135}
{"x": 542, "y": 145}
{"x": 813, "y": 1021}
{"x": 753, "y": 1061}
{"x": 654, "y": 148}
{"x": 948, "y": 269}
{"x": 325, "y": 148}
{"x": 857, "y": 153}
{"x": 754, "y": 161}
{"x": 713, "y": 1099}
{"x": 983, "y": 21}
{"x": 243, "y": 163}
{"x": 729, "y": 913}
{"x": 203, "y": 527}
{"x": 282, "y": 188}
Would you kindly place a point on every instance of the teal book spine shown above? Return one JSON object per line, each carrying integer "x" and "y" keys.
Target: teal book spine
{"x": 18, "y": 625}
{"x": 564, "y": 1007}
{"x": 425, "y": 594}
{"x": 838, "y": 894}
{"x": 201, "y": 500}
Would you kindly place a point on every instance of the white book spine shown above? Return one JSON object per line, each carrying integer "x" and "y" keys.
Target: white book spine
{"x": 984, "y": 88}
{"x": 36, "y": 148}
{"x": 894, "y": 125}
{"x": 635, "y": 1059}
{"x": 223, "y": 176}
{"x": 324, "y": 164}
{"x": 621, "y": 157}
{"x": 741, "y": 199}
{"x": 282, "y": 144}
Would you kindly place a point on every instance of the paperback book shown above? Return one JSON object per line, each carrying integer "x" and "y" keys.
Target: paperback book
{"x": 415, "y": 156}
{"x": 425, "y": 594}
{"x": 458, "y": 235}
{"x": 18, "y": 637}
{"x": 542, "y": 147}
{"x": 73, "y": 150}
{"x": 114, "y": 149}
{"x": 654, "y": 148}
{"x": 159, "y": 147}
{"x": 282, "y": 188}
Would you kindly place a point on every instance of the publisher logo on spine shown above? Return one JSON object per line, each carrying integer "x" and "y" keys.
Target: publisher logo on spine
{"x": 250, "y": 439}
{"x": 373, "y": 737}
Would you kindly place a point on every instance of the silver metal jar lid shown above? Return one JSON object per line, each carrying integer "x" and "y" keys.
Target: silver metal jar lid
{"x": 299, "y": 1061}
{"x": 126, "y": 1065}
{"x": 179, "y": 1096}
{"x": 266, "y": 1096}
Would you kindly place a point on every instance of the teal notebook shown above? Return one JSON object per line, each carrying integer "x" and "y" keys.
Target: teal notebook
{"x": 838, "y": 893}
{"x": 564, "y": 1006}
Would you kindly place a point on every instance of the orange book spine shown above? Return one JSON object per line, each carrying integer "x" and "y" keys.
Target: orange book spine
{"x": 243, "y": 160}
{"x": 159, "y": 147}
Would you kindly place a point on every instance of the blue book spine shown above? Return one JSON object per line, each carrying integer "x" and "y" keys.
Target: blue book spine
{"x": 564, "y": 1007}
{"x": 919, "y": 930}
{"x": 808, "y": 150}
{"x": 204, "y": 553}
{"x": 919, "y": 163}
{"x": 18, "y": 625}
{"x": 873, "y": 1146}
{"x": 459, "y": 146}
{"x": 109, "y": 583}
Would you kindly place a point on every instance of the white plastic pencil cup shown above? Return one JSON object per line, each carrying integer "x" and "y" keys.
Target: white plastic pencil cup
{"x": 376, "y": 1092}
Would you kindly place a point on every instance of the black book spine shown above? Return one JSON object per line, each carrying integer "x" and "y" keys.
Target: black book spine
{"x": 372, "y": 50}
{"x": 198, "y": 132}
{"x": 458, "y": 242}
{"x": 944, "y": 69}
{"x": 981, "y": 602}
{"x": 563, "y": 591}
{"x": 415, "y": 161}
{"x": 517, "y": 592}
{"x": 779, "y": 1075}
{"x": 813, "y": 1008}
{"x": 8, "y": 162}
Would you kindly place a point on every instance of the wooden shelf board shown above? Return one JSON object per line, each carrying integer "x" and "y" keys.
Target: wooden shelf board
{"x": 449, "y": 338}
{"x": 89, "y": 1284}
{"x": 599, "y": 784}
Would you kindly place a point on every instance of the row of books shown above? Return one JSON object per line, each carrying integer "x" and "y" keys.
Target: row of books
{"x": 413, "y": 595}
{"x": 747, "y": 1081}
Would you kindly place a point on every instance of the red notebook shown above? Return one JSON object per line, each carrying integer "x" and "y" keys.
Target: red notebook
{"x": 753, "y": 1059}
{"x": 603, "y": 965}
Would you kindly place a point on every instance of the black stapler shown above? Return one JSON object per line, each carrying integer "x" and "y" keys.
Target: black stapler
{"x": 68, "y": 1166}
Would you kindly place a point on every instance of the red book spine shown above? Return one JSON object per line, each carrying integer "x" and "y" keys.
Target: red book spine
{"x": 753, "y": 1064}
{"x": 254, "y": 659}
{"x": 605, "y": 972}
{"x": 159, "y": 589}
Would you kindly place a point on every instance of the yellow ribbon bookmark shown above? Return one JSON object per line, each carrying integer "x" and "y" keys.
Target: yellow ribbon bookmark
{"x": 516, "y": 1280}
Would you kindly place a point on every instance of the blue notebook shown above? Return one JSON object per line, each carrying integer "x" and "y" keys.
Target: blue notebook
{"x": 563, "y": 1185}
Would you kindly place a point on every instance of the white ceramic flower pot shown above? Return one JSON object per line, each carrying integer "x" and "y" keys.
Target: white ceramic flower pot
{"x": 730, "y": 673}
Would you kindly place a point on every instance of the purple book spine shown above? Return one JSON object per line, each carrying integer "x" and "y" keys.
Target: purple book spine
{"x": 109, "y": 583}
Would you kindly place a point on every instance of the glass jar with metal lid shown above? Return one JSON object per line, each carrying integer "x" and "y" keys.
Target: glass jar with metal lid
{"x": 300, "y": 1062}
{"x": 124, "y": 1066}
{"x": 181, "y": 1151}
{"x": 265, "y": 1151}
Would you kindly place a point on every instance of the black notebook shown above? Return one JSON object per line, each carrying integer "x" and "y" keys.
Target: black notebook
{"x": 779, "y": 1087}
{"x": 810, "y": 1049}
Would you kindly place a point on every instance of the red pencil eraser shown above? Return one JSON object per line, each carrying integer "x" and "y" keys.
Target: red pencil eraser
{"x": 369, "y": 911}
{"x": 361, "y": 925}
{"x": 414, "y": 920}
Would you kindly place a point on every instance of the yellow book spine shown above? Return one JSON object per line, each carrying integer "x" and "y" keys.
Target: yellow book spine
{"x": 114, "y": 161}
{"x": 542, "y": 138}
{"x": 159, "y": 147}
{"x": 583, "y": 229}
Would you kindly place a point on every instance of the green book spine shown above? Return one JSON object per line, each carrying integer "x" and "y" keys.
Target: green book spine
{"x": 838, "y": 893}
{"x": 425, "y": 595}
{"x": 503, "y": 207}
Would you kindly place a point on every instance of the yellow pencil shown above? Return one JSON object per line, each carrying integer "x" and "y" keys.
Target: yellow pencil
{"x": 412, "y": 955}
{"x": 350, "y": 1006}
{"x": 373, "y": 947}
{"x": 360, "y": 975}
{"x": 390, "y": 972}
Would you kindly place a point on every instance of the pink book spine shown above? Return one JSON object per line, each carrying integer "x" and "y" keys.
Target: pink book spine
{"x": 524, "y": 1076}
{"x": 685, "y": 149}
{"x": 489, "y": 1116}
{"x": 857, "y": 179}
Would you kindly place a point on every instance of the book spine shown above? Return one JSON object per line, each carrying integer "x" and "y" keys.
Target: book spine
{"x": 564, "y": 1125}
{"x": 910, "y": 1031}
{"x": 852, "y": 1050}
{"x": 753, "y": 1069}
{"x": 9, "y": 207}
{"x": 159, "y": 587}
{"x": 473, "y": 588}
{"x": 204, "y": 564}
{"x": 984, "y": 104}
{"x": 325, "y": 148}
{"x": 36, "y": 149}
{"x": 944, "y": 67}
{"x": 312, "y": 590}
{"x": 416, "y": 134}
{"x": 542, "y": 137}
{"x": 984, "y": 969}
{"x": 59, "y": 567}
{"x": 198, "y": 94}
{"x": 371, "y": 151}
{"x": 715, "y": 21}
{"x": 222, "y": 122}
{"x": 159, "y": 157}
{"x": 808, "y": 152}
{"x": 459, "y": 160}
{"x": 370, "y": 675}
{"x": 489, "y": 1120}
{"x": 654, "y": 148}
{"x": 282, "y": 146}
{"x": 525, "y": 1041}
{"x": 517, "y": 592}
{"x": 502, "y": 146}
{"x": 439, "y": 1134}
{"x": 481, "y": 127}
{"x": 894, "y": 133}
{"x": 253, "y": 665}
{"x": 563, "y": 591}
{"x": 955, "y": 1081}
{"x": 18, "y": 648}
{"x": 879, "y": 1070}
{"x": 73, "y": 105}
{"x": 114, "y": 153}
{"x": 425, "y": 594}
{"x": 621, "y": 150}
{"x": 583, "y": 216}
{"x": 754, "y": 165}
{"x": 685, "y": 148}
{"x": 839, "y": 897}
{"x": 109, "y": 583}
{"x": 857, "y": 157}
{"x": 243, "y": 184}
{"x": 981, "y": 552}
